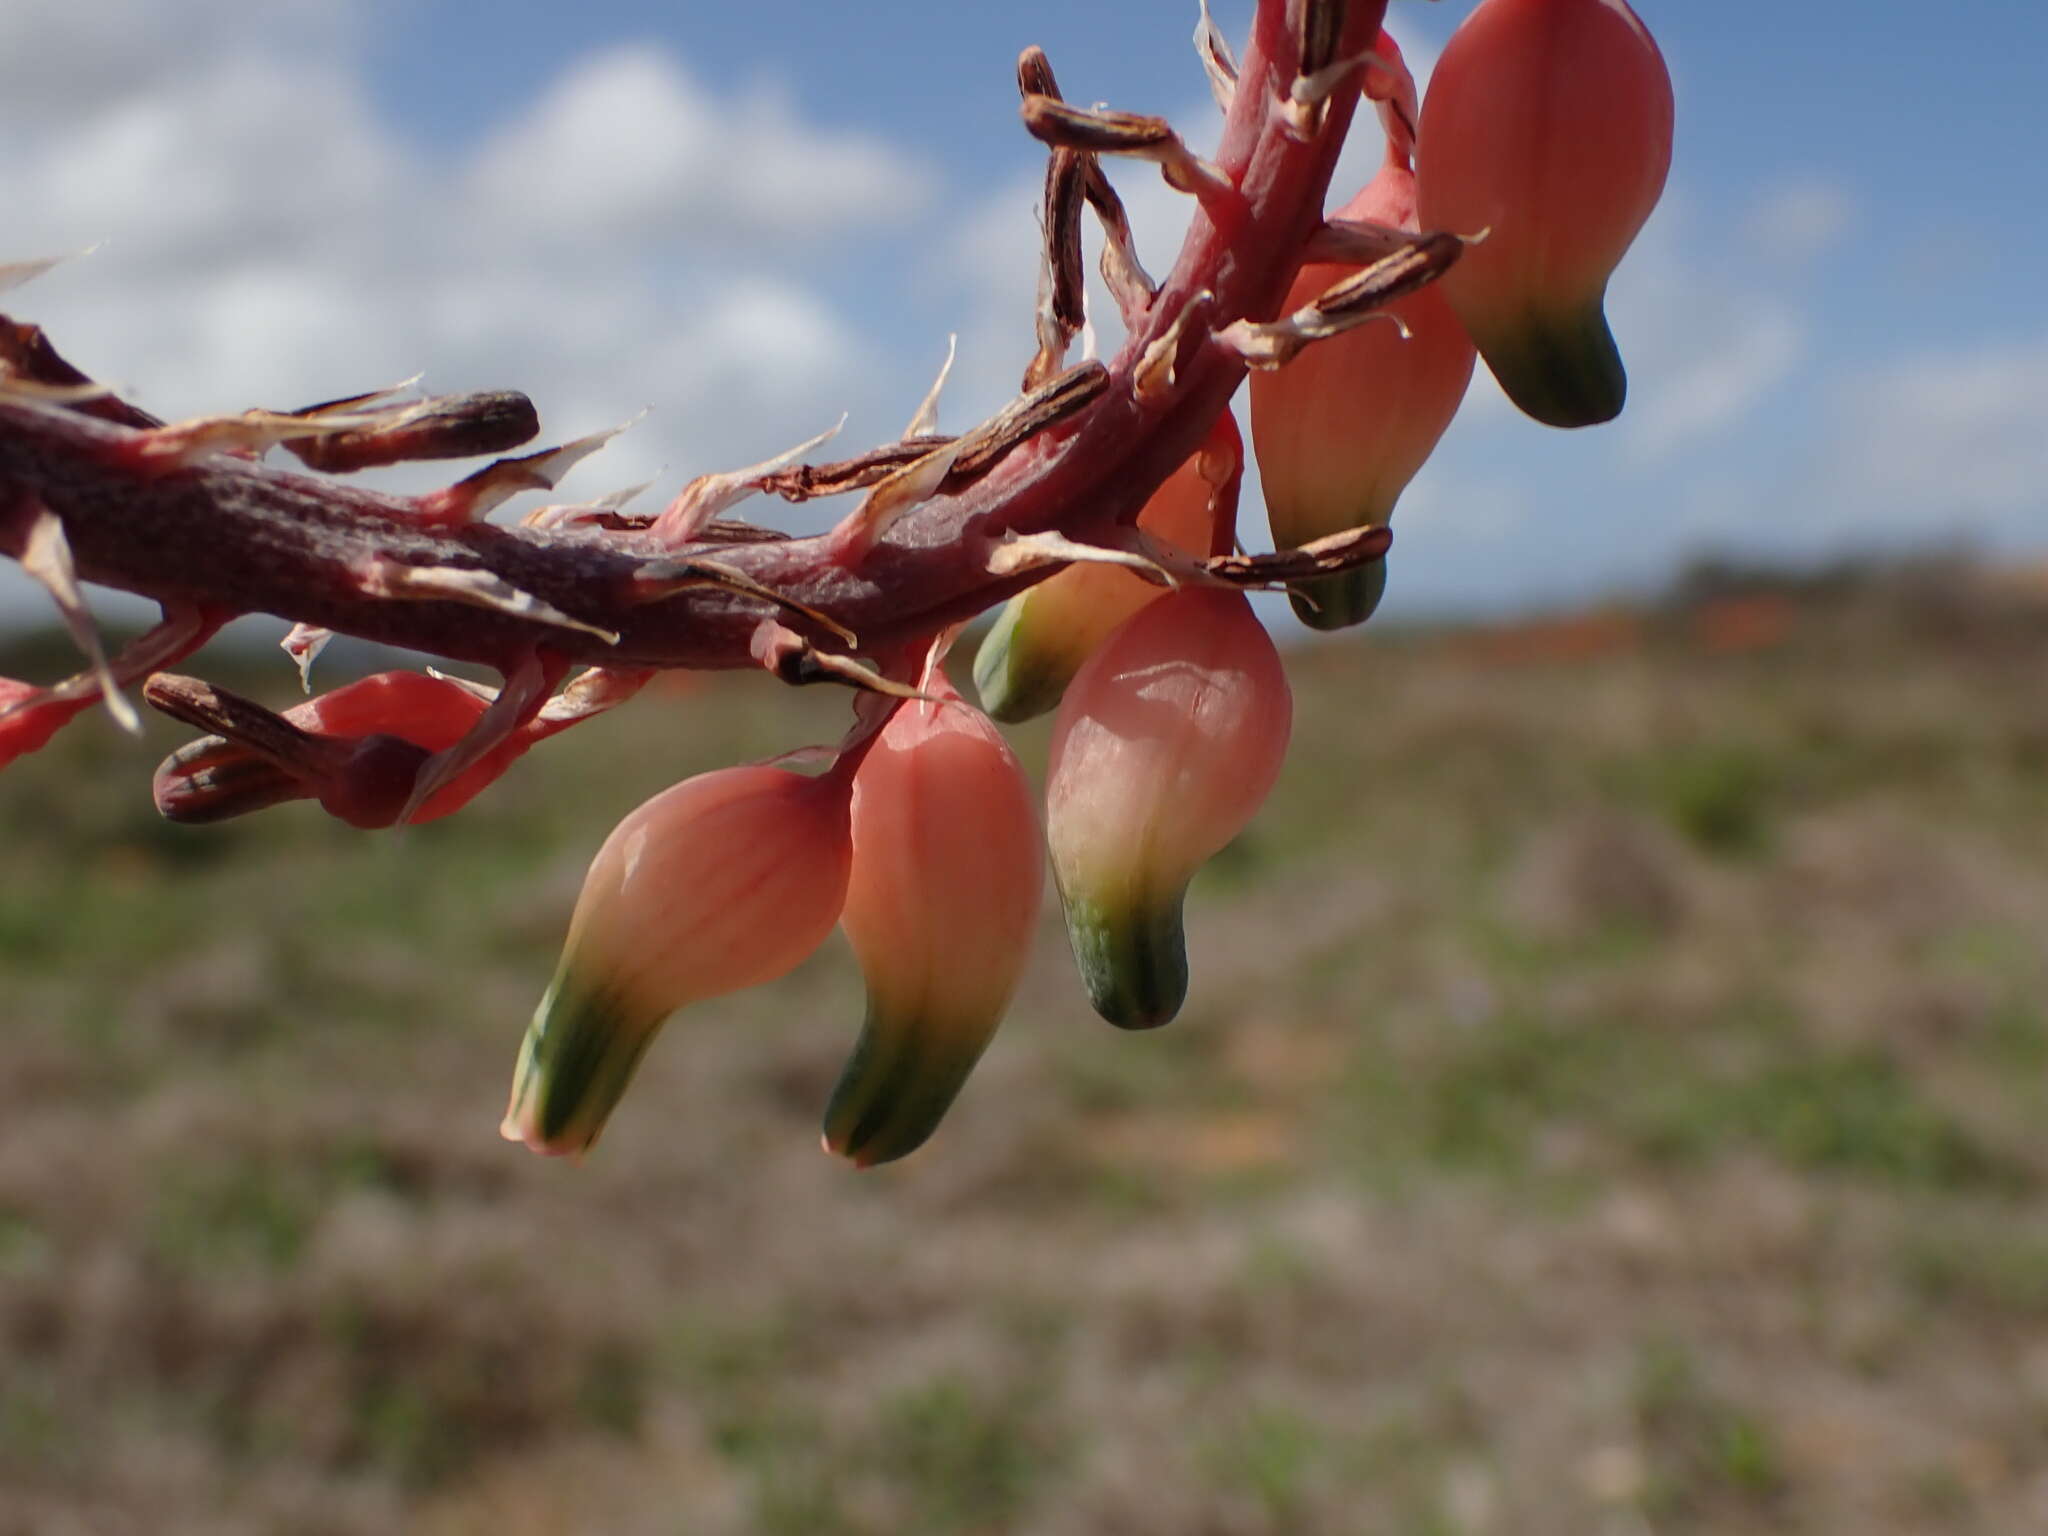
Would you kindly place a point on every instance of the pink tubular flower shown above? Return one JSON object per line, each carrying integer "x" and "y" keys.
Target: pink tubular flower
{"x": 1166, "y": 744}
{"x": 1547, "y": 123}
{"x": 948, "y": 868}
{"x": 719, "y": 883}
{"x": 1043, "y": 635}
{"x": 1342, "y": 428}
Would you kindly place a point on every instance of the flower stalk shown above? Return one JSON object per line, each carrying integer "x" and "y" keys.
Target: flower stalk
{"x": 1101, "y": 504}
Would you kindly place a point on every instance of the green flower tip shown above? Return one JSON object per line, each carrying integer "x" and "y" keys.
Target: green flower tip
{"x": 579, "y": 1054}
{"x": 1015, "y": 679}
{"x": 1133, "y": 959}
{"x": 1340, "y": 601}
{"x": 1562, "y": 370}
{"x": 903, "y": 1076}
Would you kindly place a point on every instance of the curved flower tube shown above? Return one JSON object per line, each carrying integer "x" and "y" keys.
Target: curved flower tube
{"x": 1342, "y": 428}
{"x": 948, "y": 872}
{"x": 1166, "y": 744}
{"x": 719, "y": 883}
{"x": 1547, "y": 124}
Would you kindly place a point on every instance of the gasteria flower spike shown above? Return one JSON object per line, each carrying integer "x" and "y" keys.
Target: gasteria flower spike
{"x": 948, "y": 869}
{"x": 1548, "y": 125}
{"x": 1342, "y": 429}
{"x": 1166, "y": 744}
{"x": 719, "y": 883}
{"x": 1042, "y": 636}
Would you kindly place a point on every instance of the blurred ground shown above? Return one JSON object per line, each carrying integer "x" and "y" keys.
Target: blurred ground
{"x": 1612, "y": 1100}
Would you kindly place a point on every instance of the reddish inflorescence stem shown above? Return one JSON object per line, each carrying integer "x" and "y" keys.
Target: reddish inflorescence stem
{"x": 243, "y": 536}
{"x": 1173, "y": 712}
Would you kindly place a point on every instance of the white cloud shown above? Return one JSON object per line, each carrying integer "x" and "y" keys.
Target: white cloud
{"x": 1919, "y": 450}
{"x": 270, "y": 239}
{"x": 60, "y": 61}
{"x": 1714, "y": 376}
{"x": 1449, "y": 508}
{"x": 237, "y": 153}
{"x": 1797, "y": 222}
{"x": 1703, "y": 353}
{"x": 627, "y": 146}
{"x": 1938, "y": 443}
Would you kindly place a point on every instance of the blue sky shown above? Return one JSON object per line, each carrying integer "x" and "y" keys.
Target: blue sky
{"x": 752, "y": 218}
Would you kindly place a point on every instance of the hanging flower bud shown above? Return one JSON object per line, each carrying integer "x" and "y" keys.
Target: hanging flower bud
{"x": 1042, "y": 636}
{"x": 1342, "y": 429}
{"x": 1548, "y": 124}
{"x": 948, "y": 868}
{"x": 719, "y": 883}
{"x": 1165, "y": 746}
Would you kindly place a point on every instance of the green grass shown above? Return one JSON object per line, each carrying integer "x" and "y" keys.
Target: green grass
{"x": 1586, "y": 1066}
{"x": 1272, "y": 1454}
{"x": 975, "y": 1456}
{"x": 1703, "y": 1449}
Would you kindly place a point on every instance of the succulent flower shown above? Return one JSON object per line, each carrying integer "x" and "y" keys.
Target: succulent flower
{"x": 948, "y": 870}
{"x": 1166, "y": 744}
{"x": 1548, "y": 128}
{"x": 1042, "y": 636}
{"x": 1547, "y": 124}
{"x": 719, "y": 883}
{"x": 1342, "y": 428}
